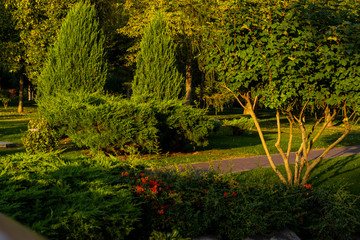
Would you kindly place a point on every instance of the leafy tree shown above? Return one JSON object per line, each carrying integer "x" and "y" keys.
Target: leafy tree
{"x": 297, "y": 57}
{"x": 156, "y": 73}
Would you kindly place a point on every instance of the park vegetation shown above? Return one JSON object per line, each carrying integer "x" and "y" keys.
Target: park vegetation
{"x": 298, "y": 60}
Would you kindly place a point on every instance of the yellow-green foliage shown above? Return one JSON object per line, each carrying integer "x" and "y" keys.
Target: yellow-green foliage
{"x": 240, "y": 125}
{"x": 40, "y": 137}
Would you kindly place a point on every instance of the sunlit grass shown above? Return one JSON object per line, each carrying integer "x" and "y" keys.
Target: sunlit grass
{"x": 13, "y": 125}
{"x": 223, "y": 145}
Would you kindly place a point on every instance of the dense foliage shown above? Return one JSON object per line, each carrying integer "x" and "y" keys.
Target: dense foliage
{"x": 293, "y": 56}
{"x": 156, "y": 75}
{"x": 116, "y": 125}
{"x": 77, "y": 60}
{"x": 40, "y": 137}
{"x": 67, "y": 199}
{"x": 104, "y": 198}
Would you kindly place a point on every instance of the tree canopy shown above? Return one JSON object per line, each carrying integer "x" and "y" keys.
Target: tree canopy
{"x": 293, "y": 56}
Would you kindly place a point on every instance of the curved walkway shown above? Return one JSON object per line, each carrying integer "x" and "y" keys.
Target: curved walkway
{"x": 248, "y": 163}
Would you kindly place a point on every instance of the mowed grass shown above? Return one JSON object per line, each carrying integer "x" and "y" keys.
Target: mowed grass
{"x": 13, "y": 125}
{"x": 223, "y": 145}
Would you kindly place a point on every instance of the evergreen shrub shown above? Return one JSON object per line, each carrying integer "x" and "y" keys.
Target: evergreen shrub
{"x": 67, "y": 198}
{"x": 115, "y": 125}
{"x": 40, "y": 137}
{"x": 103, "y": 198}
{"x": 77, "y": 60}
{"x": 156, "y": 75}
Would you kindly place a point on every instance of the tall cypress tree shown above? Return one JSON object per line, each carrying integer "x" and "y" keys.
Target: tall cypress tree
{"x": 157, "y": 76}
{"x": 77, "y": 60}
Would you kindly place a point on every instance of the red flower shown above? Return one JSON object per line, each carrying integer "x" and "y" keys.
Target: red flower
{"x": 226, "y": 195}
{"x": 234, "y": 194}
{"x": 124, "y": 174}
{"x": 142, "y": 174}
{"x": 153, "y": 183}
{"x": 308, "y": 186}
{"x": 154, "y": 189}
{"x": 160, "y": 211}
{"x": 143, "y": 180}
{"x": 301, "y": 219}
{"x": 139, "y": 189}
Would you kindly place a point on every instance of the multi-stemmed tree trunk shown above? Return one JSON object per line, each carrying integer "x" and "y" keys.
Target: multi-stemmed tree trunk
{"x": 293, "y": 60}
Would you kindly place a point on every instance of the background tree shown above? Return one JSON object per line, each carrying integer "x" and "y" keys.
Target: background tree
{"x": 37, "y": 24}
{"x": 297, "y": 58}
{"x": 186, "y": 19}
{"x": 77, "y": 60}
{"x": 7, "y": 36}
{"x": 156, "y": 73}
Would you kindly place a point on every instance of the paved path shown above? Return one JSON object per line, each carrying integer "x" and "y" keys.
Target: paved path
{"x": 6, "y": 144}
{"x": 248, "y": 163}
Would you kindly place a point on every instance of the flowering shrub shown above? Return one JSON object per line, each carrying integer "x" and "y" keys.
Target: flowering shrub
{"x": 208, "y": 203}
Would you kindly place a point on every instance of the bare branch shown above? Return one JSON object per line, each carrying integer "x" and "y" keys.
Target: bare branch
{"x": 224, "y": 86}
{"x": 278, "y": 146}
{"x": 290, "y": 137}
{"x": 321, "y": 157}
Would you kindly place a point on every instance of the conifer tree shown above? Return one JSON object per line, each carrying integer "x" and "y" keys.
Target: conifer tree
{"x": 77, "y": 60}
{"x": 157, "y": 76}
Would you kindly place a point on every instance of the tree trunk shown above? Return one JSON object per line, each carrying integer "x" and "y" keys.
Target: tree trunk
{"x": 328, "y": 117}
{"x": 21, "y": 90}
{"x": 30, "y": 93}
{"x": 188, "y": 78}
{"x": 247, "y": 109}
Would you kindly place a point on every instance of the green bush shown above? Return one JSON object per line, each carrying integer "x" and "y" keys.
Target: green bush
{"x": 239, "y": 126}
{"x": 111, "y": 124}
{"x": 67, "y": 199}
{"x": 156, "y": 75}
{"x": 104, "y": 198}
{"x": 217, "y": 124}
{"x": 332, "y": 215}
{"x": 210, "y": 203}
{"x": 40, "y": 137}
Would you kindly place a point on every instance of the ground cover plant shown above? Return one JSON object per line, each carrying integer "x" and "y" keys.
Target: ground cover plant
{"x": 102, "y": 198}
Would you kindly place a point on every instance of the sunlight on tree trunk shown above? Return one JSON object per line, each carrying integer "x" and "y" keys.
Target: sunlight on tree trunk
{"x": 21, "y": 91}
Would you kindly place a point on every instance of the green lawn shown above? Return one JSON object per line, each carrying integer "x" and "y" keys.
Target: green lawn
{"x": 13, "y": 125}
{"x": 222, "y": 145}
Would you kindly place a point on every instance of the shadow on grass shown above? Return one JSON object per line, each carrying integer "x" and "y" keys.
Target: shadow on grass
{"x": 353, "y": 138}
{"x": 224, "y": 139}
{"x": 8, "y": 151}
{"x": 338, "y": 171}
